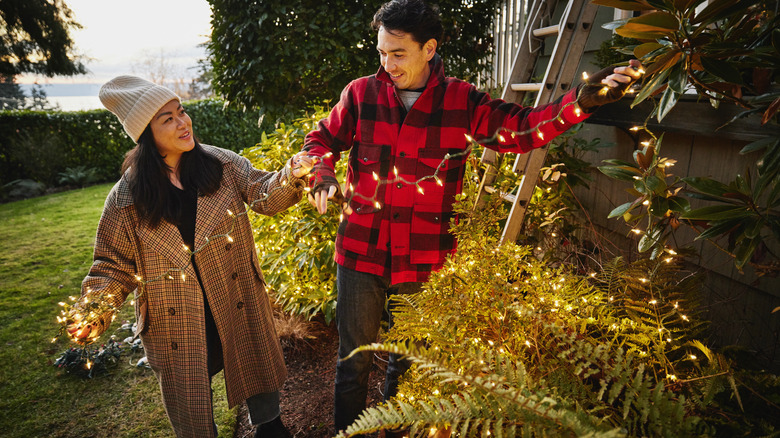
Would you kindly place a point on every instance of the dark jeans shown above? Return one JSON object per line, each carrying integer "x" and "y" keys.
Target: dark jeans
{"x": 361, "y": 302}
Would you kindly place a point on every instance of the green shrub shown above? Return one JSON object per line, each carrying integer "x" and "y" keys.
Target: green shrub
{"x": 78, "y": 176}
{"x": 39, "y": 145}
{"x": 296, "y": 247}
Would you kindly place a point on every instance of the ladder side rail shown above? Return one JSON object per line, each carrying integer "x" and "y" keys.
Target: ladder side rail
{"x": 573, "y": 36}
{"x": 525, "y": 58}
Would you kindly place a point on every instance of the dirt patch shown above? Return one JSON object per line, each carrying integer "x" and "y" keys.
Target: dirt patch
{"x": 307, "y": 396}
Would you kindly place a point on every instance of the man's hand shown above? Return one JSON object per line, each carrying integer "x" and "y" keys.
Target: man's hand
{"x": 320, "y": 196}
{"x": 608, "y": 85}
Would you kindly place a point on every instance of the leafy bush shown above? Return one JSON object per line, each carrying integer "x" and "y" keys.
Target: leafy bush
{"x": 79, "y": 176}
{"x": 39, "y": 145}
{"x": 283, "y": 55}
{"x": 21, "y": 189}
{"x": 725, "y": 51}
{"x": 296, "y": 247}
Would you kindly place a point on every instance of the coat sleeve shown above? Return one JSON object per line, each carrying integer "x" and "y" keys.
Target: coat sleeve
{"x": 522, "y": 128}
{"x": 112, "y": 275}
{"x": 266, "y": 192}
{"x": 333, "y": 136}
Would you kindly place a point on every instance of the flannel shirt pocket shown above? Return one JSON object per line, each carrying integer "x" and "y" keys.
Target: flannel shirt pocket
{"x": 430, "y": 240}
{"x": 443, "y": 173}
{"x": 364, "y": 172}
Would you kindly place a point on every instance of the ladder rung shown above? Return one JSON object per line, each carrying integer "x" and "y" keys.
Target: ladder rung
{"x": 549, "y": 30}
{"x": 527, "y": 87}
{"x": 505, "y": 196}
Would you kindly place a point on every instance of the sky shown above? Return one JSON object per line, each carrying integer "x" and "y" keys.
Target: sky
{"x": 119, "y": 35}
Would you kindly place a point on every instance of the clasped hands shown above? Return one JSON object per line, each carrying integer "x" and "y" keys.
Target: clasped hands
{"x": 301, "y": 164}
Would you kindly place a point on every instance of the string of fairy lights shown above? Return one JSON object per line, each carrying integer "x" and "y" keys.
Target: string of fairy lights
{"x": 87, "y": 311}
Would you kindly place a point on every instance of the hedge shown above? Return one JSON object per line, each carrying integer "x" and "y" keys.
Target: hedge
{"x": 38, "y": 145}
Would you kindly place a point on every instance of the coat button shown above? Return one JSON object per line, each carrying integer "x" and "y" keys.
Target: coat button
{"x": 228, "y": 246}
{"x": 399, "y": 185}
{"x": 240, "y": 305}
{"x": 436, "y": 218}
{"x": 174, "y": 346}
{"x": 171, "y": 311}
{"x": 403, "y": 154}
{"x": 359, "y": 208}
{"x": 365, "y": 159}
{"x": 396, "y": 215}
{"x": 234, "y": 276}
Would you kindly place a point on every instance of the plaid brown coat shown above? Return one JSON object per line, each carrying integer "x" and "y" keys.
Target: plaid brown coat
{"x": 170, "y": 312}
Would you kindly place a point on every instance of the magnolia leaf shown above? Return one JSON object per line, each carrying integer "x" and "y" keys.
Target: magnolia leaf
{"x": 651, "y": 86}
{"x": 707, "y": 185}
{"x": 668, "y": 101}
{"x": 759, "y": 144}
{"x": 720, "y": 9}
{"x": 722, "y": 69}
{"x": 717, "y": 212}
{"x": 649, "y": 239}
{"x": 679, "y": 204}
{"x": 641, "y": 187}
{"x": 684, "y": 5}
{"x": 643, "y": 49}
{"x": 773, "y": 108}
{"x": 626, "y": 5}
{"x": 644, "y": 158}
{"x": 663, "y": 62}
{"x": 678, "y": 77}
{"x": 776, "y": 40}
{"x": 659, "y": 206}
{"x": 657, "y": 185}
{"x": 753, "y": 227}
{"x": 745, "y": 250}
{"x": 721, "y": 228}
{"x": 618, "y": 173}
{"x": 619, "y": 162}
{"x": 622, "y": 209}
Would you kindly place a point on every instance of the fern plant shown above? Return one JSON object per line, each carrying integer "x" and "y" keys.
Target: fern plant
{"x": 509, "y": 344}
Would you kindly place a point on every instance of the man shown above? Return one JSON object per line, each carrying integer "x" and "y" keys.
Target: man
{"x": 402, "y": 124}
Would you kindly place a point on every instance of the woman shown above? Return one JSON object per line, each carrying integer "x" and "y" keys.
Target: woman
{"x": 169, "y": 231}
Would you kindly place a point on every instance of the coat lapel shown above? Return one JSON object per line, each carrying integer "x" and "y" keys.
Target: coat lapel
{"x": 212, "y": 211}
{"x": 166, "y": 240}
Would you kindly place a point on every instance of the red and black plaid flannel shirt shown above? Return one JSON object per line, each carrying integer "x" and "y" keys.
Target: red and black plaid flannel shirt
{"x": 407, "y": 237}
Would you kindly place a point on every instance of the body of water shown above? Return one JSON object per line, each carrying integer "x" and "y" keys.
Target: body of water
{"x": 75, "y": 103}
{"x": 70, "y": 97}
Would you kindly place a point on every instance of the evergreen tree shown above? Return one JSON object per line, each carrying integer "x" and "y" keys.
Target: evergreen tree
{"x": 35, "y": 38}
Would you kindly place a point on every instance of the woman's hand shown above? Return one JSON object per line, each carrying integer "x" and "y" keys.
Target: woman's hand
{"x": 81, "y": 333}
{"x": 301, "y": 164}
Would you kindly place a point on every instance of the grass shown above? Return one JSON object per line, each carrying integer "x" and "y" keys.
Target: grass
{"x": 45, "y": 251}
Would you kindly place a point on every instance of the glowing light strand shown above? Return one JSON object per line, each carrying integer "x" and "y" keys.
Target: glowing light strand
{"x": 97, "y": 309}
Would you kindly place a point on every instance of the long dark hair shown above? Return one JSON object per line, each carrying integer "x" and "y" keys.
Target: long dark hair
{"x": 199, "y": 172}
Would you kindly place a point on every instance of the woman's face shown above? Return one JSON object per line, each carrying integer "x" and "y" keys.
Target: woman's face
{"x": 172, "y": 131}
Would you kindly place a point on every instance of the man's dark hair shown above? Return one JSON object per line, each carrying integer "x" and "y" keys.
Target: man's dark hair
{"x": 414, "y": 17}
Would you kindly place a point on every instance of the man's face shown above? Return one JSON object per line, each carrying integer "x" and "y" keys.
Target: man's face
{"x": 404, "y": 58}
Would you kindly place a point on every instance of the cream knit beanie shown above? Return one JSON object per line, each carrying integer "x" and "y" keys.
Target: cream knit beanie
{"x": 134, "y": 101}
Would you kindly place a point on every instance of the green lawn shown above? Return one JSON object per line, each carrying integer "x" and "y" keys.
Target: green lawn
{"x": 45, "y": 251}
